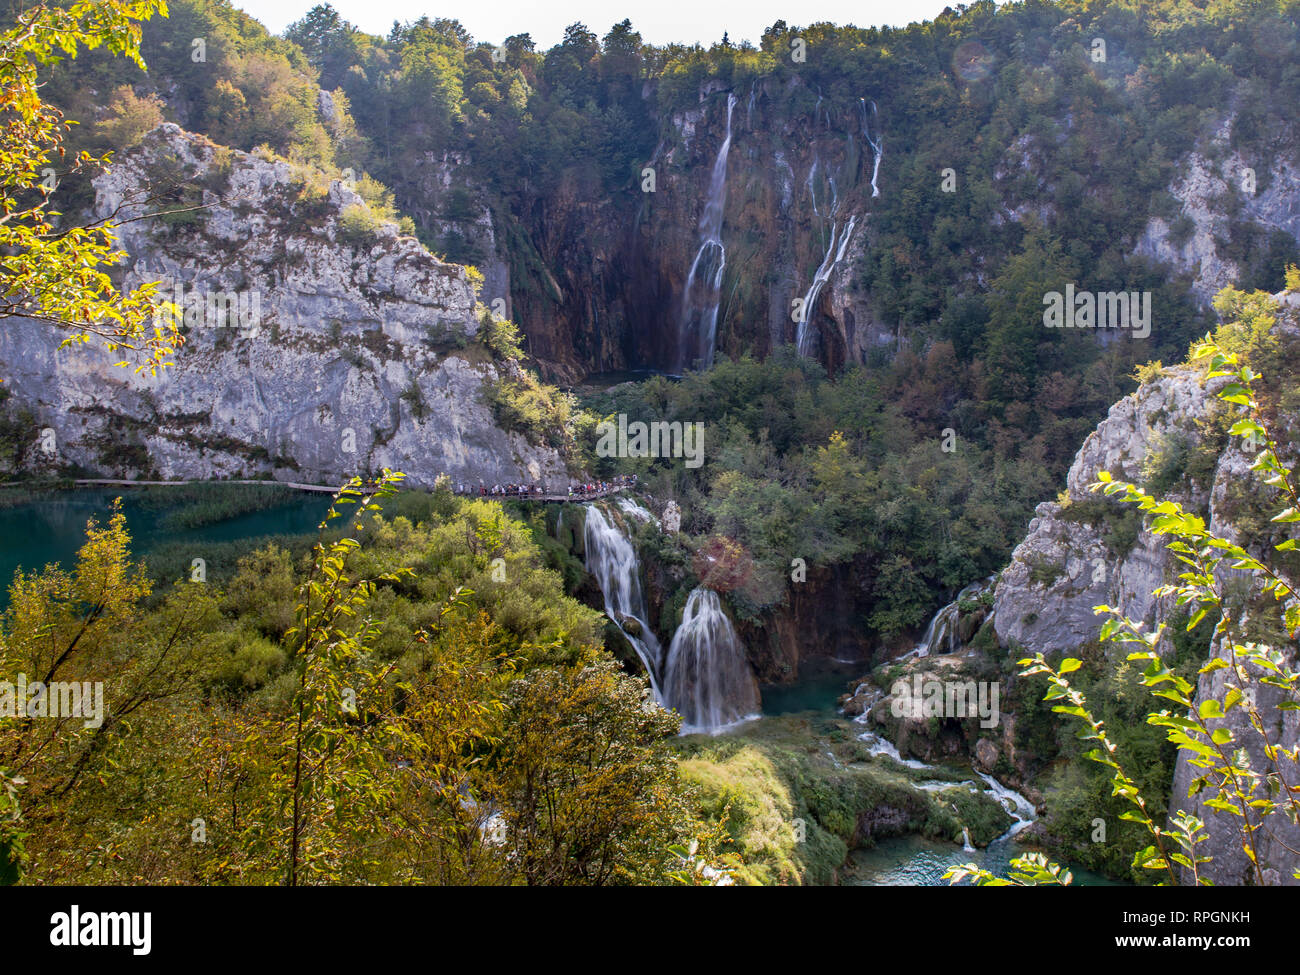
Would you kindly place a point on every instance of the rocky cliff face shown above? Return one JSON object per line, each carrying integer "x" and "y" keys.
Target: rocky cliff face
{"x": 1087, "y": 552}
{"x": 821, "y": 619}
{"x": 315, "y": 349}
{"x": 1220, "y": 186}
{"x": 1091, "y": 551}
{"x": 597, "y": 279}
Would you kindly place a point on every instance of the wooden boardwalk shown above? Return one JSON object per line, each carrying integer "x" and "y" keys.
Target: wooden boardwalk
{"x": 576, "y": 496}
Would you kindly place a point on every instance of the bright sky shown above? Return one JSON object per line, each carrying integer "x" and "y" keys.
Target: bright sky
{"x": 659, "y": 21}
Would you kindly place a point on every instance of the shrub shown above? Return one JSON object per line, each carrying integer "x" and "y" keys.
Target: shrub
{"x": 358, "y": 224}
{"x": 130, "y": 117}
{"x": 1237, "y": 766}
{"x": 500, "y": 337}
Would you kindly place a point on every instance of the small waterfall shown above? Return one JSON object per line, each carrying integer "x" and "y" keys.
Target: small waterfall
{"x": 697, "y": 332}
{"x": 812, "y": 183}
{"x": 941, "y": 636}
{"x": 709, "y": 681}
{"x": 839, "y": 243}
{"x": 787, "y": 184}
{"x": 613, "y": 561}
{"x": 966, "y": 844}
{"x": 1020, "y": 808}
{"x": 877, "y": 746}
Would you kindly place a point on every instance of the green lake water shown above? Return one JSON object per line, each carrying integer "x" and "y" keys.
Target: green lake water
{"x": 52, "y": 527}
{"x": 820, "y": 684}
{"x": 914, "y": 861}
{"x": 898, "y": 861}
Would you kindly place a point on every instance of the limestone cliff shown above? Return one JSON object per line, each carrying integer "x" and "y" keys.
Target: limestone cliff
{"x": 596, "y": 274}
{"x": 1087, "y": 551}
{"x": 596, "y": 279}
{"x": 318, "y": 344}
{"x": 1223, "y": 196}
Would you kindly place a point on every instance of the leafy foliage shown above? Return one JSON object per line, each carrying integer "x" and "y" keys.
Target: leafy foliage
{"x": 1250, "y": 781}
{"x": 258, "y": 732}
{"x": 56, "y": 274}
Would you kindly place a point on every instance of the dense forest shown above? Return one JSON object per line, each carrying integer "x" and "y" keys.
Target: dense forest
{"x": 426, "y": 689}
{"x": 962, "y": 284}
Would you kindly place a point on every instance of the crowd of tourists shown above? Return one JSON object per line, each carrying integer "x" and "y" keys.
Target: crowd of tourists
{"x": 580, "y": 490}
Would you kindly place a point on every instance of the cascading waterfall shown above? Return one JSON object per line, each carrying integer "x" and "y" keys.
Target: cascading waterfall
{"x": 1020, "y": 809}
{"x": 876, "y": 745}
{"x": 804, "y": 338}
{"x": 941, "y": 635}
{"x": 613, "y": 561}
{"x": 697, "y": 332}
{"x": 709, "y": 681}
{"x": 876, "y": 150}
{"x": 841, "y": 235}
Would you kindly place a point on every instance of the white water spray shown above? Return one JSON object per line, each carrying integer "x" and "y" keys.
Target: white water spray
{"x": 1021, "y": 809}
{"x": 804, "y": 337}
{"x": 698, "y": 329}
{"x": 709, "y": 681}
{"x": 613, "y": 561}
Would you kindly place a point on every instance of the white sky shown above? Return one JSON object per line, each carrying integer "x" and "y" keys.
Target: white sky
{"x": 659, "y": 21}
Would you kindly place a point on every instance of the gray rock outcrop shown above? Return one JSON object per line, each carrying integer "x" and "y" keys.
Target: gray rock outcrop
{"x": 342, "y": 350}
{"x": 1070, "y": 561}
{"x": 1067, "y": 563}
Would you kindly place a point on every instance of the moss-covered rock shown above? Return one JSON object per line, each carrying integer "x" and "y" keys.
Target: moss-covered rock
{"x": 797, "y": 798}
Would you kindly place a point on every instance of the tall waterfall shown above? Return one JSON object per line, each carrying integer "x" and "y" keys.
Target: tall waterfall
{"x": 698, "y": 329}
{"x": 613, "y": 561}
{"x": 876, "y": 150}
{"x": 709, "y": 681}
{"x": 841, "y": 234}
{"x": 839, "y": 243}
